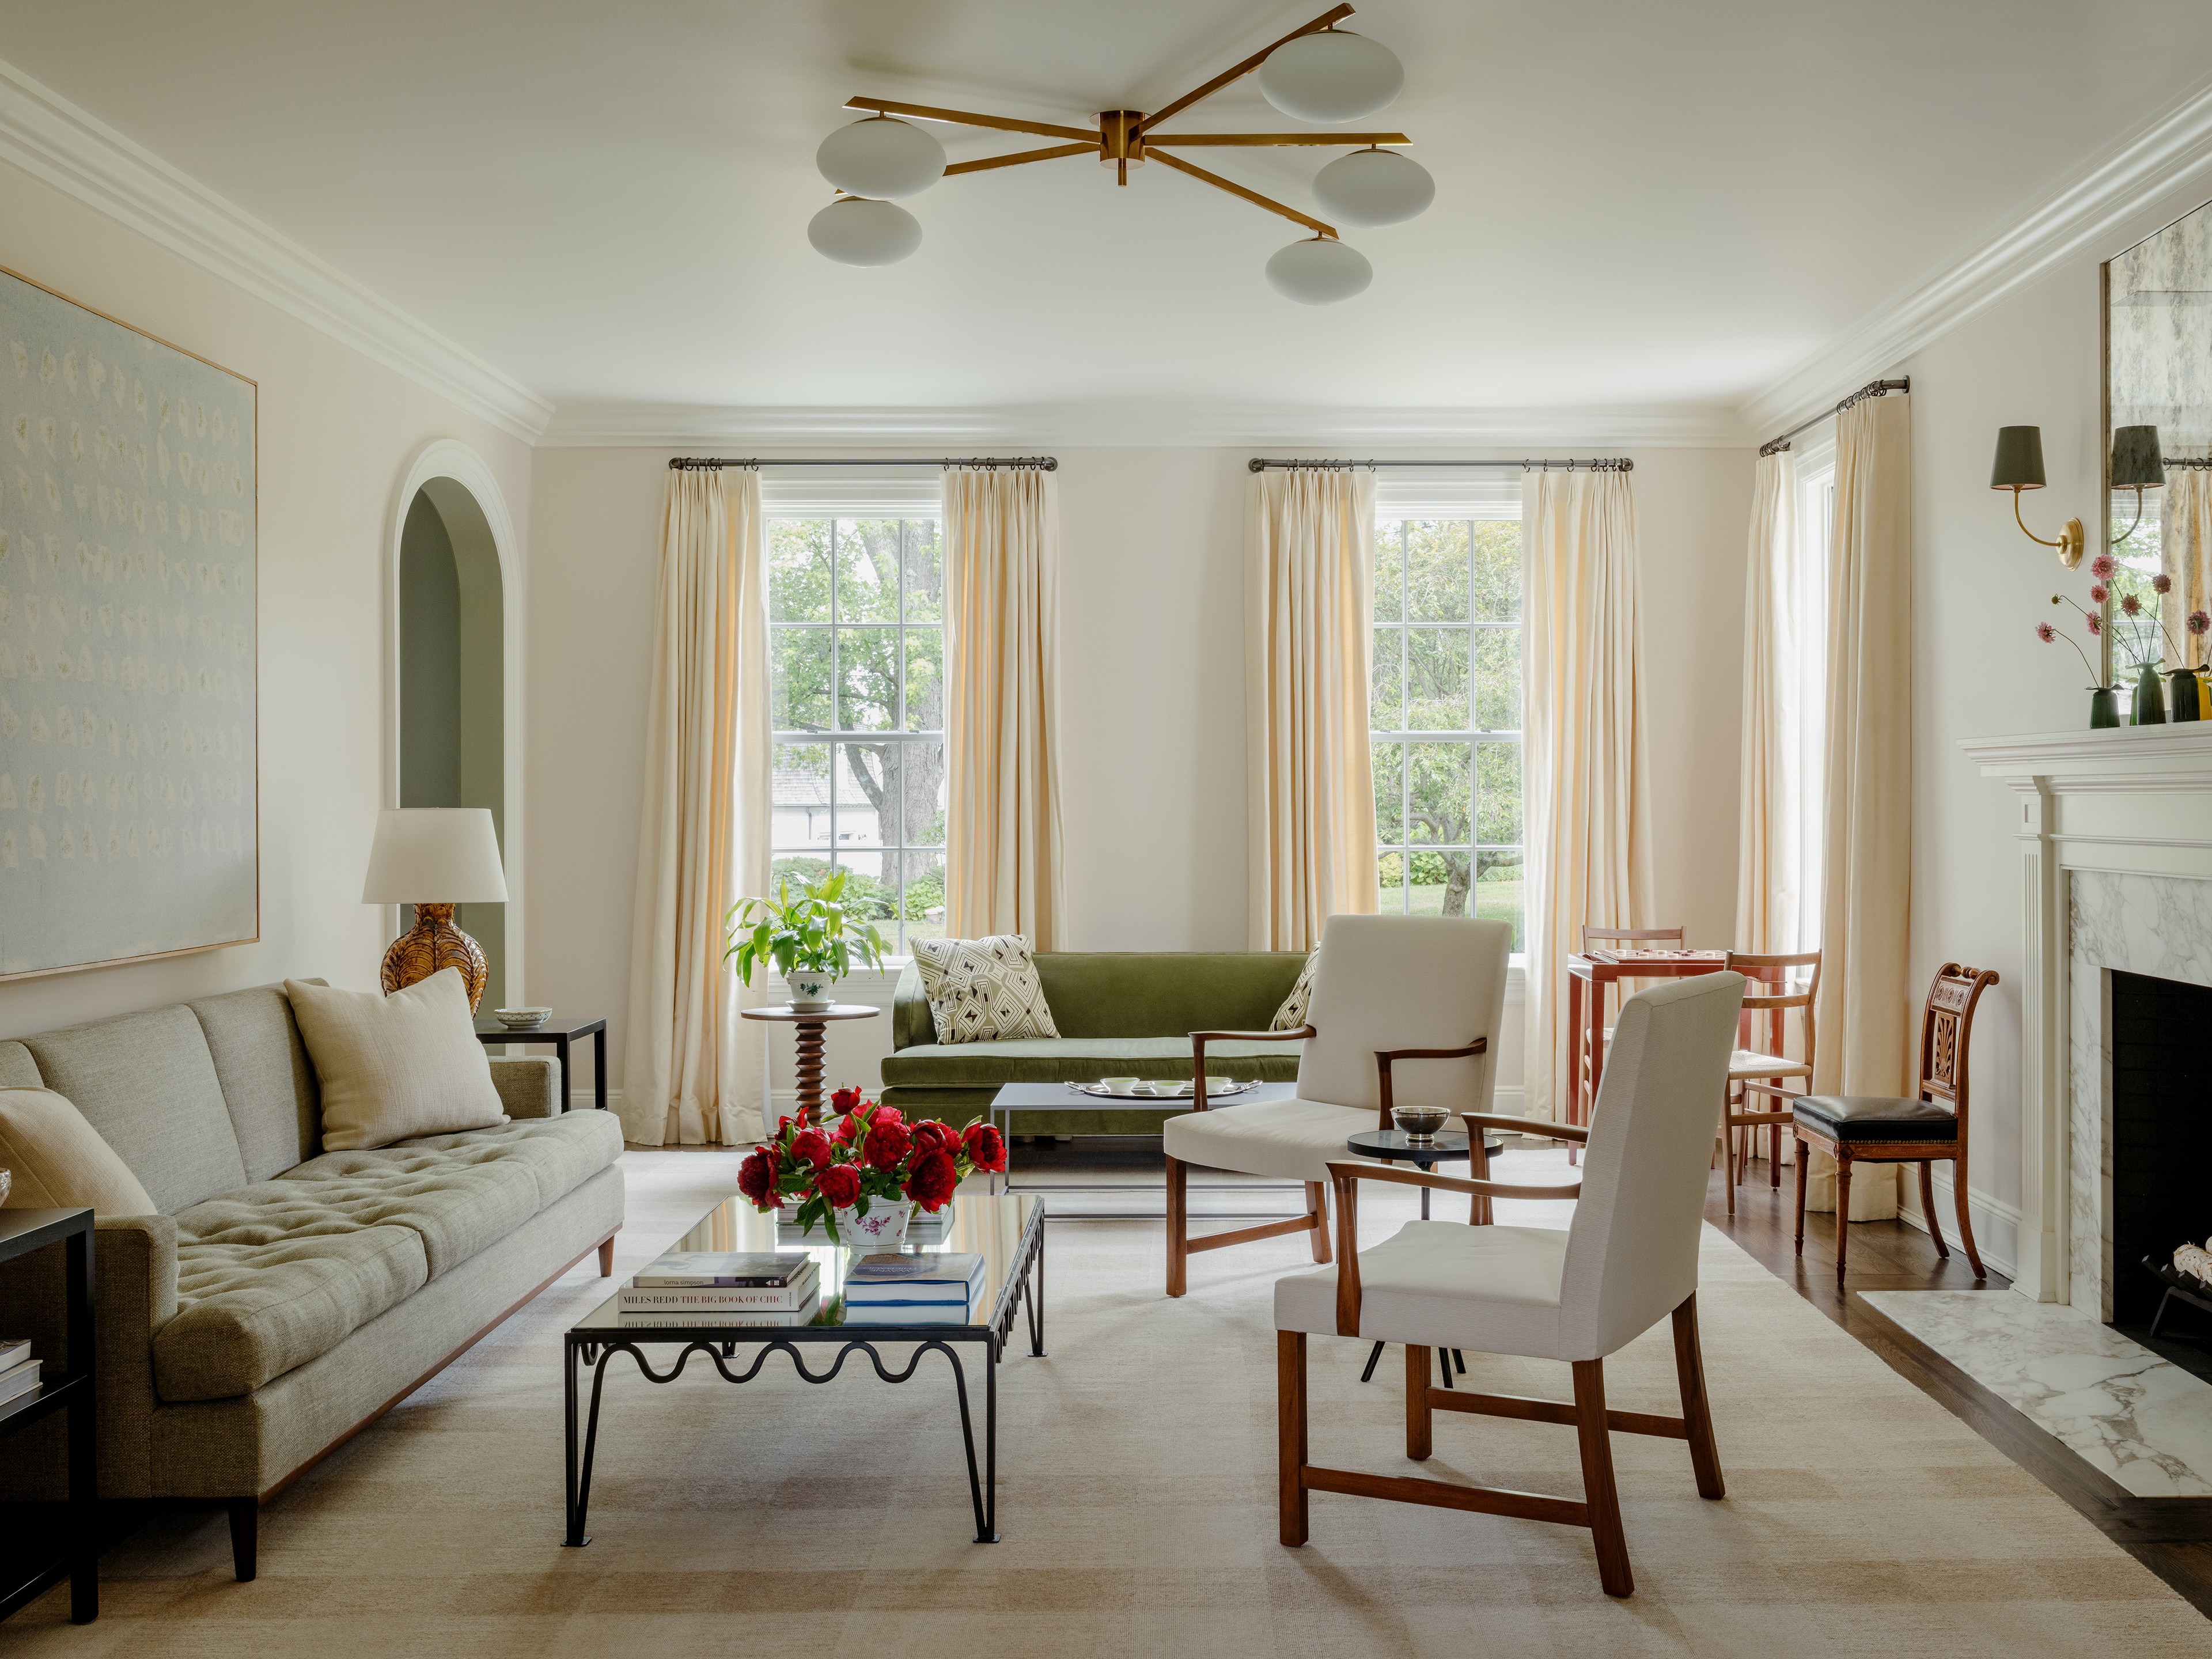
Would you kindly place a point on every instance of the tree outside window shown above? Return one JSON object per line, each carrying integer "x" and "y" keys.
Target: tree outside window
{"x": 856, "y": 630}
{"x": 1445, "y": 717}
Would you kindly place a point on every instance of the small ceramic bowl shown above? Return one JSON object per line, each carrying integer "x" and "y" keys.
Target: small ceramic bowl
{"x": 520, "y": 1017}
{"x": 1419, "y": 1122}
{"x": 1118, "y": 1085}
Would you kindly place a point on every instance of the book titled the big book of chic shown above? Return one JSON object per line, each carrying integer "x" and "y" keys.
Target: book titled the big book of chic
{"x": 722, "y": 1281}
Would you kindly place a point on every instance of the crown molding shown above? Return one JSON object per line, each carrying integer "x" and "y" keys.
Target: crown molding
{"x": 661, "y": 426}
{"x": 55, "y": 141}
{"x": 2089, "y": 208}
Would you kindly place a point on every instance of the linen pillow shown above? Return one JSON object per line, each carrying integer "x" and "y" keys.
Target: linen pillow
{"x": 60, "y": 1161}
{"x": 983, "y": 990}
{"x": 395, "y": 1067}
{"x": 1292, "y": 1014}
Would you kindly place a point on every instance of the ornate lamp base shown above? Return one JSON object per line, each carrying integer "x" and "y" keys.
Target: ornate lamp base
{"x": 435, "y": 942}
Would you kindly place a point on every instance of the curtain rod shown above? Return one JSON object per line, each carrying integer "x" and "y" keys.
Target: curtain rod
{"x": 1871, "y": 389}
{"x": 707, "y": 464}
{"x": 1260, "y": 463}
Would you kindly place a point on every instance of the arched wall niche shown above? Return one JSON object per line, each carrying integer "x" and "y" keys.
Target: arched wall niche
{"x": 453, "y": 675}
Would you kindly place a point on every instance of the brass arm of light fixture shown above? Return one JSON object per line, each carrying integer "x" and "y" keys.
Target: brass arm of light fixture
{"x": 1251, "y": 196}
{"x": 2071, "y": 540}
{"x": 1327, "y": 20}
{"x": 1019, "y": 156}
{"x": 970, "y": 119}
{"x": 1349, "y": 140}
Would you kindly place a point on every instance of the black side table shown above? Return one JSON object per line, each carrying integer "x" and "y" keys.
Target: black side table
{"x": 560, "y": 1033}
{"x": 1394, "y": 1146}
{"x": 22, "y": 1231}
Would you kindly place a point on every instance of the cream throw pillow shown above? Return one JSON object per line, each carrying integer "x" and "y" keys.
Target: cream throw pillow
{"x": 1292, "y": 1014}
{"x": 395, "y": 1067}
{"x": 58, "y": 1160}
{"x": 983, "y": 990}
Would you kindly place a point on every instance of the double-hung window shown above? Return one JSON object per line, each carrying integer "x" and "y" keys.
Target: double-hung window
{"x": 1444, "y": 710}
{"x": 857, "y": 635}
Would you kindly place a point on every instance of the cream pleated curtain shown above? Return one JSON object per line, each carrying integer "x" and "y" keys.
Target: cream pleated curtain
{"x": 1308, "y": 611}
{"x": 1868, "y": 1009}
{"x": 1002, "y": 759}
{"x": 1767, "y": 879}
{"x": 2185, "y": 546}
{"x": 1587, "y": 776}
{"x": 694, "y": 1068}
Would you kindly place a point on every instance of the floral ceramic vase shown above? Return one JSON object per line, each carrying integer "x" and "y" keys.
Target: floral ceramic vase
{"x": 812, "y": 993}
{"x": 883, "y": 1227}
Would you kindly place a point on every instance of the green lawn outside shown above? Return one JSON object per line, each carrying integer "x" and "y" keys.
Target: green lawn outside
{"x": 1494, "y": 901}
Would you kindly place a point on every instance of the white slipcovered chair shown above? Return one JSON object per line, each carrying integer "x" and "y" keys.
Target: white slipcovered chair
{"x": 1423, "y": 993}
{"x": 1629, "y": 1259}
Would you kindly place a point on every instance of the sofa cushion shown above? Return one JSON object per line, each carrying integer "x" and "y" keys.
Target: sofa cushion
{"x": 394, "y": 1068}
{"x": 983, "y": 990}
{"x": 561, "y": 1153}
{"x": 17, "y": 1069}
{"x": 147, "y": 1083}
{"x": 458, "y": 1204}
{"x": 59, "y": 1162}
{"x": 267, "y": 1082}
{"x": 1081, "y": 1059}
{"x": 261, "y": 1289}
{"x": 1292, "y": 1014}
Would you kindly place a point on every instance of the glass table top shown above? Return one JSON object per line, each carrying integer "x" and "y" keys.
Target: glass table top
{"x": 997, "y": 1228}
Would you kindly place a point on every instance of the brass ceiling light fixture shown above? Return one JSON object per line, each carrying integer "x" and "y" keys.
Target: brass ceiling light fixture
{"x": 1316, "y": 73}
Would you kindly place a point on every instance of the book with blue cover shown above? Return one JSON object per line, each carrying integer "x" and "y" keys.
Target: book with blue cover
{"x": 945, "y": 1279}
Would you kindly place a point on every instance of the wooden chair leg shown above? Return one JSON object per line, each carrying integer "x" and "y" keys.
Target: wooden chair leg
{"x": 1843, "y": 1209}
{"x": 1697, "y": 1412}
{"x": 1728, "y": 1162}
{"x": 1599, "y": 1491}
{"x": 1317, "y": 1206}
{"x": 1420, "y": 1439}
{"x": 1928, "y": 1208}
{"x": 1178, "y": 1184}
{"x": 1291, "y": 1434}
{"x": 1804, "y": 1161}
{"x": 245, "y": 1537}
{"x": 1966, "y": 1222}
{"x": 1774, "y": 1157}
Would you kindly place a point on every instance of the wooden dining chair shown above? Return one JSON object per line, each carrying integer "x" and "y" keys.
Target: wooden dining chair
{"x": 1763, "y": 1080}
{"x": 1928, "y": 1129}
{"x": 1628, "y": 1260}
{"x": 1634, "y": 939}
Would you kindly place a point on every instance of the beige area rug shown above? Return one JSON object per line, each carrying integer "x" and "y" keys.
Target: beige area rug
{"x": 1137, "y": 1504}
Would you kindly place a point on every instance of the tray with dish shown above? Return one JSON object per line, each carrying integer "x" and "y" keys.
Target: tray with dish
{"x": 1148, "y": 1089}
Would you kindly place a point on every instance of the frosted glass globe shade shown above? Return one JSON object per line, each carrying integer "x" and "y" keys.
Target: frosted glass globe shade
{"x": 1319, "y": 272}
{"x": 881, "y": 159}
{"x": 1374, "y": 187}
{"x": 855, "y": 231}
{"x": 1331, "y": 76}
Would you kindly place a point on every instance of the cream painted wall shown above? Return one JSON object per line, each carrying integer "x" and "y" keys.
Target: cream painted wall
{"x": 1152, "y": 712}
{"x": 336, "y": 431}
{"x": 1980, "y": 587}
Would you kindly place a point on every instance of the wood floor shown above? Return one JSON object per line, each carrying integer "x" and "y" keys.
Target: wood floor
{"x": 2171, "y": 1536}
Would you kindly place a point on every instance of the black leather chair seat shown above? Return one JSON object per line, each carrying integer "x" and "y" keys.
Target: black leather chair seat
{"x": 1874, "y": 1117}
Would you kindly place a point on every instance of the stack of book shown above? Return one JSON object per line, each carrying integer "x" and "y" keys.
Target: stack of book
{"x": 936, "y": 1288}
{"x": 723, "y": 1287}
{"x": 19, "y": 1372}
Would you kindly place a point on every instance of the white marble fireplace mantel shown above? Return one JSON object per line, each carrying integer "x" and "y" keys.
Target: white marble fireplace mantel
{"x": 2120, "y": 814}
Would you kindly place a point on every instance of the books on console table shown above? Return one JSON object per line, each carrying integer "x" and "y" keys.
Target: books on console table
{"x": 945, "y": 1279}
{"x": 751, "y": 1269}
{"x": 799, "y": 1292}
{"x": 19, "y": 1378}
{"x": 14, "y": 1350}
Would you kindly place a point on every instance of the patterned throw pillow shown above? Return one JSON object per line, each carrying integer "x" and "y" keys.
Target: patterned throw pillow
{"x": 1292, "y": 1014}
{"x": 983, "y": 990}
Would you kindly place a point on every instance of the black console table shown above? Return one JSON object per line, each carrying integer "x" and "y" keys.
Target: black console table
{"x": 77, "y": 1558}
{"x": 560, "y": 1033}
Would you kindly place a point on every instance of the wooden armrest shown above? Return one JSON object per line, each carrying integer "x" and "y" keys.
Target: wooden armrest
{"x": 1542, "y": 1128}
{"x": 1200, "y": 1039}
{"x": 1345, "y": 1179}
{"x": 1384, "y": 1056}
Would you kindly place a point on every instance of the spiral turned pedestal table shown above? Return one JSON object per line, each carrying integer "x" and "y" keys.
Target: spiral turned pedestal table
{"x": 809, "y": 1024}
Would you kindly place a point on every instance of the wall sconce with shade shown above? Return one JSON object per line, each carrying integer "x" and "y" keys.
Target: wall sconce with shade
{"x": 2019, "y": 466}
{"x": 2136, "y": 465}
{"x": 452, "y": 852}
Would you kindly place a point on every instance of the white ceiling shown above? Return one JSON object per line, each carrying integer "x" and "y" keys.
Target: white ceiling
{"x": 1639, "y": 206}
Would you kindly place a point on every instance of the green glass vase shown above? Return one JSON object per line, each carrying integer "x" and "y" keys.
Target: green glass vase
{"x": 2150, "y": 696}
{"x": 2188, "y": 695}
{"x": 2103, "y": 706}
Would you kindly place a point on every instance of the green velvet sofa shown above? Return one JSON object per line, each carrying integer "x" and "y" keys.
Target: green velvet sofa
{"x": 1120, "y": 1013}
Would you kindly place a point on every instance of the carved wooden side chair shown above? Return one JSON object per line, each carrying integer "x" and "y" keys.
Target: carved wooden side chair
{"x": 1629, "y": 1259}
{"x": 1928, "y": 1129}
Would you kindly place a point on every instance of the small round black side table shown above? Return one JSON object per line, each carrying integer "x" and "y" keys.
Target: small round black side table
{"x": 1392, "y": 1147}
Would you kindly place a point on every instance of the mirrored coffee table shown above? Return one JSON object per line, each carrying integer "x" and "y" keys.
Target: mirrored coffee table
{"x": 1007, "y": 1231}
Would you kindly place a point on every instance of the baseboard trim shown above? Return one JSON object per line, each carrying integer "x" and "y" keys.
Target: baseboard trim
{"x": 1983, "y": 1209}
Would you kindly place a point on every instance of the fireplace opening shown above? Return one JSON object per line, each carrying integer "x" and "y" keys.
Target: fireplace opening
{"x": 2162, "y": 1096}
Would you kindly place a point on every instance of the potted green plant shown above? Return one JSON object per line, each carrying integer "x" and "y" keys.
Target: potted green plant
{"x": 807, "y": 937}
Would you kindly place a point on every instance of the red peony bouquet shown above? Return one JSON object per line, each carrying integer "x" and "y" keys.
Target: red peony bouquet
{"x": 872, "y": 1155}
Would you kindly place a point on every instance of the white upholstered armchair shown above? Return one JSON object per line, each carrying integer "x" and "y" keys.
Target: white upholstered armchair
{"x": 1629, "y": 1259}
{"x": 1404, "y": 1010}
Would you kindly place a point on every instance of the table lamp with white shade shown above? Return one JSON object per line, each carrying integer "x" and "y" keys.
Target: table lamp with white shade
{"x": 448, "y": 852}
